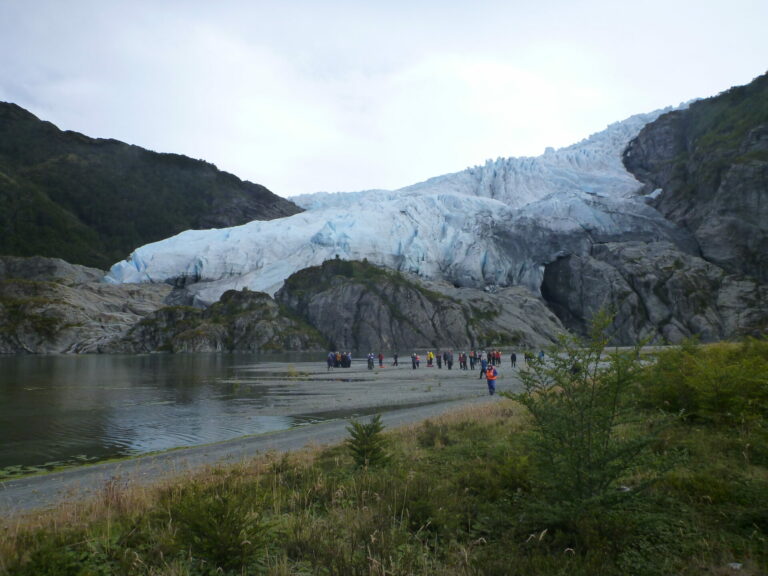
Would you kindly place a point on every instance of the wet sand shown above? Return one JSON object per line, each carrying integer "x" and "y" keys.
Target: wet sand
{"x": 308, "y": 390}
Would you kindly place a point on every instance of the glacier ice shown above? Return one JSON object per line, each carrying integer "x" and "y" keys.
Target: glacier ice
{"x": 496, "y": 224}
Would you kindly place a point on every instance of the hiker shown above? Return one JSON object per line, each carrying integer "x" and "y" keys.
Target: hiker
{"x": 394, "y": 360}
{"x": 381, "y": 360}
{"x": 490, "y": 376}
{"x": 483, "y": 366}
{"x": 513, "y": 359}
{"x": 331, "y": 360}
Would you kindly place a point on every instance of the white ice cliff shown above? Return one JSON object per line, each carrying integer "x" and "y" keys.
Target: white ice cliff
{"x": 496, "y": 224}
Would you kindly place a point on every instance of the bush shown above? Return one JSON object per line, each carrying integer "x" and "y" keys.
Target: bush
{"x": 217, "y": 525}
{"x": 586, "y": 434}
{"x": 367, "y": 443}
{"x": 721, "y": 384}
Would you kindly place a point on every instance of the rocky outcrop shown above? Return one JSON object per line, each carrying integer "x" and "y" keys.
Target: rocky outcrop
{"x": 656, "y": 293}
{"x": 709, "y": 167}
{"x": 358, "y": 306}
{"x": 41, "y": 269}
{"x": 705, "y": 169}
{"x": 50, "y": 306}
{"x": 242, "y": 321}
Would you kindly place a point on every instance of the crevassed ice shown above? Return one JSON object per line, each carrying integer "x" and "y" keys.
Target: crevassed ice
{"x": 471, "y": 227}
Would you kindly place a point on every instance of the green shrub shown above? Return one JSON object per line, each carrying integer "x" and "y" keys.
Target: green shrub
{"x": 586, "y": 434}
{"x": 723, "y": 384}
{"x": 219, "y": 525}
{"x": 367, "y": 444}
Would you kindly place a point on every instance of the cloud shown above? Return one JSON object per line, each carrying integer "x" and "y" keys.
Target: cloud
{"x": 344, "y": 95}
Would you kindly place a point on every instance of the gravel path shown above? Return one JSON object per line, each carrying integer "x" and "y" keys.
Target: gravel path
{"x": 402, "y": 396}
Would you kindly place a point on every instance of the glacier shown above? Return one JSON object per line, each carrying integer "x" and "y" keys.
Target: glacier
{"x": 494, "y": 225}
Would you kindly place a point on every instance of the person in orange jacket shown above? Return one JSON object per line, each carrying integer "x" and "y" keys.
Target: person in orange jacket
{"x": 490, "y": 376}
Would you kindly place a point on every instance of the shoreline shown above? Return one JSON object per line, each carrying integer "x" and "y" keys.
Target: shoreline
{"x": 402, "y": 396}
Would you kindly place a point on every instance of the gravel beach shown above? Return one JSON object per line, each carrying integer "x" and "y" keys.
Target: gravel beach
{"x": 329, "y": 398}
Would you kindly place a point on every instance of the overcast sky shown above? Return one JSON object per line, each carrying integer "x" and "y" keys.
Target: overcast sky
{"x": 303, "y": 96}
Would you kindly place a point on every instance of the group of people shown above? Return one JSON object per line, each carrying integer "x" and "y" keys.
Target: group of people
{"x": 467, "y": 361}
{"x": 487, "y": 362}
{"x": 339, "y": 360}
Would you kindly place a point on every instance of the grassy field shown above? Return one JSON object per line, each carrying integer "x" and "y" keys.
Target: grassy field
{"x": 665, "y": 471}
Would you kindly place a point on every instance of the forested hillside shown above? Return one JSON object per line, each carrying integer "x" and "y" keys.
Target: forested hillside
{"x": 92, "y": 201}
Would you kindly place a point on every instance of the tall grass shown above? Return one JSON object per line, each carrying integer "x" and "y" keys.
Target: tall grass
{"x": 458, "y": 495}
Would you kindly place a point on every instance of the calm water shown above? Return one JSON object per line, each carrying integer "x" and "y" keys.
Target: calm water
{"x": 58, "y": 410}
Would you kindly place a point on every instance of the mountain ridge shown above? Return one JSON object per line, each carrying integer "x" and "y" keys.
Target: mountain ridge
{"x": 92, "y": 201}
{"x": 608, "y": 222}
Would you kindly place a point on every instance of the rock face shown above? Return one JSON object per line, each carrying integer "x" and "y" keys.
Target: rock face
{"x": 360, "y": 307}
{"x": 656, "y": 292}
{"x": 710, "y": 165}
{"x": 705, "y": 169}
{"x": 241, "y": 321}
{"x": 92, "y": 201}
{"x": 50, "y": 306}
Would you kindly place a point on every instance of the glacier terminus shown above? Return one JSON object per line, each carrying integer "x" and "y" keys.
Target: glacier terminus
{"x": 492, "y": 225}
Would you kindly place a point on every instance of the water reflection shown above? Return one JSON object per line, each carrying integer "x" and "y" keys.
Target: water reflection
{"x": 64, "y": 409}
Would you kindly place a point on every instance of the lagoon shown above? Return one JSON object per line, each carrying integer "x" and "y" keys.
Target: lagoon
{"x": 64, "y": 410}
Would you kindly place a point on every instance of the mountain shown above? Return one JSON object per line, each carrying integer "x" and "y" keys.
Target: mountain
{"x": 660, "y": 217}
{"x": 704, "y": 169}
{"x": 493, "y": 225}
{"x": 711, "y": 161}
{"x": 91, "y": 201}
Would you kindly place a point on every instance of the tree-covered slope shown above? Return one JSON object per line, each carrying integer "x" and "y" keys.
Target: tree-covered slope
{"x": 92, "y": 201}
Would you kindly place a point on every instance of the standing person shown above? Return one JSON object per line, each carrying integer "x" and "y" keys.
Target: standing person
{"x": 413, "y": 361}
{"x": 381, "y": 360}
{"x": 490, "y": 376}
{"x": 439, "y": 357}
{"x": 483, "y": 366}
{"x": 513, "y": 359}
{"x": 394, "y": 360}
